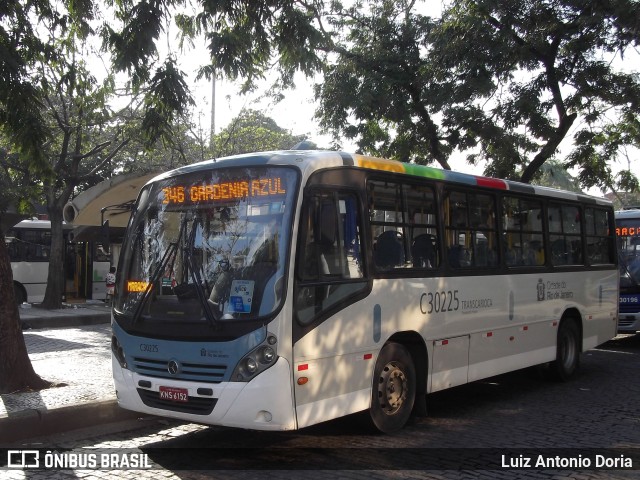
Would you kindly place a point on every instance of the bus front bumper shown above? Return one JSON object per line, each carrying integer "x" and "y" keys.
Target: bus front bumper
{"x": 264, "y": 403}
{"x": 628, "y": 322}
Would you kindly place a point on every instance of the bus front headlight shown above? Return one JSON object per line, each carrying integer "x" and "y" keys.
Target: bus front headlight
{"x": 256, "y": 361}
{"x": 118, "y": 351}
{"x": 250, "y": 365}
{"x": 266, "y": 355}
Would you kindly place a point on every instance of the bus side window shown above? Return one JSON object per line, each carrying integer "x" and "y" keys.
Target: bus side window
{"x": 599, "y": 242}
{"x": 470, "y": 230}
{"x": 565, "y": 235}
{"x": 523, "y": 240}
{"x": 329, "y": 266}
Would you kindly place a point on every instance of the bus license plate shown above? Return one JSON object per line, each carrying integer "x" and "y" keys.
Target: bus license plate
{"x": 174, "y": 394}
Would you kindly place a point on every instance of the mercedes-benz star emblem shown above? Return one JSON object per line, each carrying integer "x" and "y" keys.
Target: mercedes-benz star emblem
{"x": 173, "y": 367}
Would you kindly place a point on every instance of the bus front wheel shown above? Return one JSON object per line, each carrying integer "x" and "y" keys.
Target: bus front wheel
{"x": 394, "y": 388}
{"x": 567, "y": 352}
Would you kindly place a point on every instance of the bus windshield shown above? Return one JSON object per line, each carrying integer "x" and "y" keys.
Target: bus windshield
{"x": 628, "y": 232}
{"x": 207, "y": 248}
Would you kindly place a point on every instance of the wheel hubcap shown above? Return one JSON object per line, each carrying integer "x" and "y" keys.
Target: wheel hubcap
{"x": 392, "y": 388}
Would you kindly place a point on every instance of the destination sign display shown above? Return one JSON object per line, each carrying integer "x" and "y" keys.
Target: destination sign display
{"x": 628, "y": 231}
{"x": 138, "y": 286}
{"x": 214, "y": 192}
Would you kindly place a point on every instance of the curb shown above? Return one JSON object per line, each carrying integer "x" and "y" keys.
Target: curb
{"x": 41, "y": 422}
{"x": 65, "y": 321}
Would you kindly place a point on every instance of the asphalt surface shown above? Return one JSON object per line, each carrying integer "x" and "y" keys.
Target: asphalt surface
{"x": 69, "y": 347}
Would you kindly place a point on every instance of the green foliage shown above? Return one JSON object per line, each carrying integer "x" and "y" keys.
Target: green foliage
{"x": 243, "y": 37}
{"x": 553, "y": 174}
{"x": 20, "y": 116}
{"x": 511, "y": 84}
{"x": 552, "y": 69}
{"x": 506, "y": 82}
{"x": 187, "y": 146}
{"x": 167, "y": 99}
{"x": 134, "y": 46}
{"x": 253, "y": 131}
{"x": 380, "y": 90}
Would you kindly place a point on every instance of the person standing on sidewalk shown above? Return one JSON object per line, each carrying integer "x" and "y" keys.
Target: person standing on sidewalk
{"x": 111, "y": 284}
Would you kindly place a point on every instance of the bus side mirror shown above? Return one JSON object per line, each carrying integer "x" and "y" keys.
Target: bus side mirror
{"x": 104, "y": 235}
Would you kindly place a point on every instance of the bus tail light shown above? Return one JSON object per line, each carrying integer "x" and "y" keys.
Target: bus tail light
{"x": 256, "y": 361}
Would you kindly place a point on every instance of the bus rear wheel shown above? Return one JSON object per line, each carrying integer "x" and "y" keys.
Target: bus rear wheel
{"x": 567, "y": 352}
{"x": 394, "y": 388}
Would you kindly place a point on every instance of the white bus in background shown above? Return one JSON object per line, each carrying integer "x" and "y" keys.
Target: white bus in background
{"x": 29, "y": 246}
{"x": 278, "y": 290}
{"x": 628, "y": 233}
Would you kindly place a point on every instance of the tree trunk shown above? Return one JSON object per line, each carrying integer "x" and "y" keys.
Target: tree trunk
{"x": 55, "y": 279}
{"x": 16, "y": 371}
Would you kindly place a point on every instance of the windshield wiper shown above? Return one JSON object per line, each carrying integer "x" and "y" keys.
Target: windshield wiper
{"x": 169, "y": 252}
{"x": 622, "y": 260}
{"x": 197, "y": 279}
{"x": 173, "y": 247}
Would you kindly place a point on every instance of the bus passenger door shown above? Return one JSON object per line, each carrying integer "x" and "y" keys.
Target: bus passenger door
{"x": 449, "y": 363}
{"x": 333, "y": 337}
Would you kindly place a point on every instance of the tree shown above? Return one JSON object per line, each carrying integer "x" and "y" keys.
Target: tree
{"x": 507, "y": 80}
{"x": 252, "y": 131}
{"x": 43, "y": 89}
{"x": 22, "y": 123}
{"x": 552, "y": 66}
{"x": 553, "y": 174}
{"x": 243, "y": 38}
{"x": 20, "y": 115}
{"x": 16, "y": 371}
{"x": 76, "y": 112}
{"x": 381, "y": 88}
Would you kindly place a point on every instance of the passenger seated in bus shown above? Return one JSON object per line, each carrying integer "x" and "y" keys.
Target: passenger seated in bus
{"x": 424, "y": 251}
{"x": 389, "y": 251}
{"x": 457, "y": 256}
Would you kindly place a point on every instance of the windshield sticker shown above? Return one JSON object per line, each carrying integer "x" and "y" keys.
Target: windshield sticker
{"x": 241, "y": 296}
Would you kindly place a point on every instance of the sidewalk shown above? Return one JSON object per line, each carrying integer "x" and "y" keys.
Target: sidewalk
{"x": 71, "y": 346}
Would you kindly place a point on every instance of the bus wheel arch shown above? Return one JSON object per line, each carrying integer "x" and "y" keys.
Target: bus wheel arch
{"x": 568, "y": 346}
{"x": 19, "y": 292}
{"x": 399, "y": 382}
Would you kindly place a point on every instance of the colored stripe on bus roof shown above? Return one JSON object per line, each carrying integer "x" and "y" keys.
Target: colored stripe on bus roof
{"x": 521, "y": 187}
{"x": 491, "y": 183}
{"x": 428, "y": 172}
{"x": 380, "y": 164}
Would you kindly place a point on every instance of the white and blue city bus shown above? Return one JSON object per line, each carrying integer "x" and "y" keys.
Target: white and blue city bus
{"x": 628, "y": 233}
{"x": 278, "y": 290}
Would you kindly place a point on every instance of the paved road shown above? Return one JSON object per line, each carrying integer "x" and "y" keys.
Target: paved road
{"x": 517, "y": 415}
